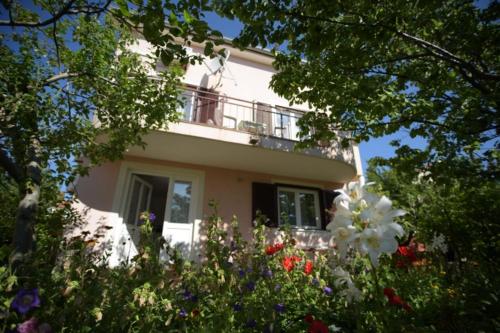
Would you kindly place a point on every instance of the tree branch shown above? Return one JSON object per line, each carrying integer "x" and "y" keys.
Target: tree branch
{"x": 65, "y": 10}
{"x": 60, "y": 76}
{"x": 9, "y": 165}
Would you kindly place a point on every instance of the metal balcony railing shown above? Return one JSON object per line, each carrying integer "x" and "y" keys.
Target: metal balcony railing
{"x": 214, "y": 109}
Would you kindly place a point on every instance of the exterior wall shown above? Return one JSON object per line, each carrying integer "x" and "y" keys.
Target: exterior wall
{"x": 232, "y": 189}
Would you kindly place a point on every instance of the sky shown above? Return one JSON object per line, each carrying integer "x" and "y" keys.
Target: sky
{"x": 375, "y": 147}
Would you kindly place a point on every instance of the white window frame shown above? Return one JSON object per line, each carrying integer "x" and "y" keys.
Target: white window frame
{"x": 298, "y": 213}
{"x": 136, "y": 178}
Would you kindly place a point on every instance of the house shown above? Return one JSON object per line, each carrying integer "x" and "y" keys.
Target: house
{"x": 235, "y": 145}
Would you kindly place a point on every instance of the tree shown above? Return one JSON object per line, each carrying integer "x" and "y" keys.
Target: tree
{"x": 430, "y": 67}
{"x": 70, "y": 86}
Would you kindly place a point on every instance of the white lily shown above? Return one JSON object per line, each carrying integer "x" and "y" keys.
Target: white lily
{"x": 343, "y": 278}
{"x": 374, "y": 242}
{"x": 343, "y": 233}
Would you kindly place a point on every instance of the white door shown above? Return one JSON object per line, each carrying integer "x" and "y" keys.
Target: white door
{"x": 138, "y": 201}
{"x": 179, "y": 216}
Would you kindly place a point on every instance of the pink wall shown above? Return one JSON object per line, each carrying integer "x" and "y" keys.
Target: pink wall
{"x": 232, "y": 189}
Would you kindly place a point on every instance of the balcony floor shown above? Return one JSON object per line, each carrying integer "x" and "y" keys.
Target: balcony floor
{"x": 217, "y": 147}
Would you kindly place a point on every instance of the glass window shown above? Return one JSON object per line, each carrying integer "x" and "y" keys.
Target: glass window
{"x": 287, "y": 207}
{"x": 299, "y": 207}
{"x": 181, "y": 199}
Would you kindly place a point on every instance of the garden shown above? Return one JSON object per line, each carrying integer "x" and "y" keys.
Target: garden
{"x": 415, "y": 249}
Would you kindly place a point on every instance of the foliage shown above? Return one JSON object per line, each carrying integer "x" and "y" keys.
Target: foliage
{"x": 71, "y": 86}
{"x": 430, "y": 67}
{"x": 243, "y": 287}
{"x": 463, "y": 208}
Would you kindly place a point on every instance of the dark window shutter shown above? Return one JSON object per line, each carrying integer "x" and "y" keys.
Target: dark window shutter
{"x": 326, "y": 204}
{"x": 265, "y": 199}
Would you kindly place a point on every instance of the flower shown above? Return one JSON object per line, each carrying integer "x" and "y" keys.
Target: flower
{"x": 241, "y": 272}
{"x": 152, "y": 217}
{"x": 394, "y": 299}
{"x": 25, "y": 300}
{"x": 327, "y": 290}
{"x": 308, "y": 267}
{"x": 280, "y": 308}
{"x": 288, "y": 264}
{"x": 315, "y": 281}
{"x": 364, "y": 220}
{"x": 272, "y": 249}
{"x": 250, "y": 285}
{"x": 29, "y": 326}
{"x": 309, "y": 318}
{"x": 407, "y": 255}
{"x": 375, "y": 241}
{"x": 317, "y": 326}
{"x": 183, "y": 313}
{"x": 438, "y": 243}
{"x": 195, "y": 313}
{"x": 277, "y": 287}
{"x": 267, "y": 273}
{"x": 237, "y": 307}
{"x": 343, "y": 279}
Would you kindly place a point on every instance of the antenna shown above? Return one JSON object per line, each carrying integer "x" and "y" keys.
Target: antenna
{"x": 217, "y": 63}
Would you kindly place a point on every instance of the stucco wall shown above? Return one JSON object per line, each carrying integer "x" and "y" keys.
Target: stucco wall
{"x": 232, "y": 189}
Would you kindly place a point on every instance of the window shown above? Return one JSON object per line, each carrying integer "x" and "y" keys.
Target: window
{"x": 299, "y": 207}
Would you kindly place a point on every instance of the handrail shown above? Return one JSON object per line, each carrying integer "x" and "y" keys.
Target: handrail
{"x": 218, "y": 95}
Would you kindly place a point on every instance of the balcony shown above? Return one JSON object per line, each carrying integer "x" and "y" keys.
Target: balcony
{"x": 222, "y": 131}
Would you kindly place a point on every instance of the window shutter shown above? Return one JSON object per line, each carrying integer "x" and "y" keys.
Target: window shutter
{"x": 265, "y": 199}
{"x": 326, "y": 204}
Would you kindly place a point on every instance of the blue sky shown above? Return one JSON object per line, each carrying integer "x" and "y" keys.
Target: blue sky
{"x": 375, "y": 147}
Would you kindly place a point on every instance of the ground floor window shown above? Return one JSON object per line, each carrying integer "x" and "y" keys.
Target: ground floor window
{"x": 299, "y": 207}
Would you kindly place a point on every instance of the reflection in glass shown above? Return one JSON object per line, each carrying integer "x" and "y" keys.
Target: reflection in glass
{"x": 307, "y": 209}
{"x": 181, "y": 199}
{"x": 287, "y": 208}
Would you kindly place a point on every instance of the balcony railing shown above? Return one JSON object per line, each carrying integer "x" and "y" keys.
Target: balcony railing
{"x": 214, "y": 109}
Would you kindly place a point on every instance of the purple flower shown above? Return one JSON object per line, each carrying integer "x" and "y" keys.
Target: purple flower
{"x": 250, "y": 286}
{"x": 277, "y": 287}
{"x": 237, "y": 307}
{"x": 188, "y": 296}
{"x": 280, "y": 307}
{"x": 183, "y": 313}
{"x": 327, "y": 290}
{"x": 267, "y": 273}
{"x": 152, "y": 217}
{"x": 241, "y": 272}
{"x": 29, "y": 326}
{"x": 251, "y": 323}
{"x": 25, "y": 300}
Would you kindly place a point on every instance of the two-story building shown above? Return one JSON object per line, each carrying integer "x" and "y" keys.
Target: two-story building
{"x": 235, "y": 145}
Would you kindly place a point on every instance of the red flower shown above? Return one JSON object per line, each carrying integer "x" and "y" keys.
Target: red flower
{"x": 317, "y": 326}
{"x": 308, "y": 267}
{"x": 396, "y": 300}
{"x": 296, "y": 259}
{"x": 288, "y": 263}
{"x": 309, "y": 318}
{"x": 407, "y": 255}
{"x": 272, "y": 249}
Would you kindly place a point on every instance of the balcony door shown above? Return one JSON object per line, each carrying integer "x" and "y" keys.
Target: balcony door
{"x": 172, "y": 198}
